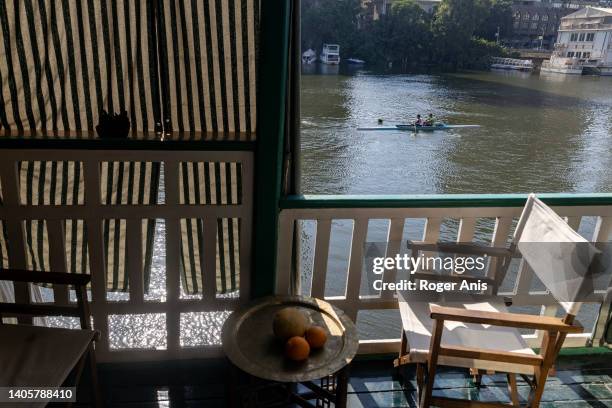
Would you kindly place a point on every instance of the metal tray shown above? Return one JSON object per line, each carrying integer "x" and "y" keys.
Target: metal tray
{"x": 249, "y": 343}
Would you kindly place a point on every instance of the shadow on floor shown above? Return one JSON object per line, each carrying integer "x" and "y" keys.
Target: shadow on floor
{"x": 580, "y": 382}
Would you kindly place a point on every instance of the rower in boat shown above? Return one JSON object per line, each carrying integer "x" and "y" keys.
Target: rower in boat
{"x": 430, "y": 120}
{"x": 418, "y": 121}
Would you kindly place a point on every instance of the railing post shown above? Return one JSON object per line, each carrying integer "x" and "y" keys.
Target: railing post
{"x": 285, "y": 255}
{"x": 602, "y": 231}
{"x": 353, "y": 277}
{"x": 321, "y": 256}
{"x": 14, "y": 226}
{"x": 57, "y": 257}
{"x": 173, "y": 254}
{"x": 95, "y": 245}
{"x": 394, "y": 241}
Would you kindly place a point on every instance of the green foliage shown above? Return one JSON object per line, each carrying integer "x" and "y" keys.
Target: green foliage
{"x": 331, "y": 21}
{"x": 499, "y": 16}
{"x": 481, "y": 50}
{"x": 403, "y": 34}
{"x": 453, "y": 27}
{"x": 457, "y": 34}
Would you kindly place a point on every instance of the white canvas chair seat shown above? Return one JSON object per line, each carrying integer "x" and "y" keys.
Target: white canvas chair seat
{"x": 39, "y": 356}
{"x": 418, "y": 328}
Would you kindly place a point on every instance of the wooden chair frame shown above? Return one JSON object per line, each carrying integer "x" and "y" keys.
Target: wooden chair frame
{"x": 555, "y": 331}
{"x": 24, "y": 313}
{"x": 503, "y": 257}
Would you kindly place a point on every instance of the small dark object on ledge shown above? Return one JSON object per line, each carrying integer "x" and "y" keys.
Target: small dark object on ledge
{"x": 113, "y": 126}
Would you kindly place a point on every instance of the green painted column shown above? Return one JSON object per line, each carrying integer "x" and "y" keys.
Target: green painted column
{"x": 271, "y": 100}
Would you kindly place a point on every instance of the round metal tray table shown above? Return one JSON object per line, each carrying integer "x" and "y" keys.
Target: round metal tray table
{"x": 250, "y": 344}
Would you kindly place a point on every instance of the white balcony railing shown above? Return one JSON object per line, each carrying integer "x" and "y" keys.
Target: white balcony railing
{"x": 170, "y": 316}
{"x": 348, "y": 222}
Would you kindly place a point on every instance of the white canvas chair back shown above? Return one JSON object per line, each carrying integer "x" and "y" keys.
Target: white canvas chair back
{"x": 557, "y": 254}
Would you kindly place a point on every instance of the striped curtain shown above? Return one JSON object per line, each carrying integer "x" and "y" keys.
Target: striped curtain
{"x": 208, "y": 51}
{"x": 208, "y": 57}
{"x": 65, "y": 61}
{"x": 186, "y": 65}
{"x": 210, "y": 183}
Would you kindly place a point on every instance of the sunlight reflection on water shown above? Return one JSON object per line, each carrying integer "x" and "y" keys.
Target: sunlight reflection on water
{"x": 148, "y": 331}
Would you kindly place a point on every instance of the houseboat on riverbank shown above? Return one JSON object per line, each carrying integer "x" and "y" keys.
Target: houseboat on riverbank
{"x": 583, "y": 43}
{"x": 309, "y": 56}
{"x": 330, "y": 54}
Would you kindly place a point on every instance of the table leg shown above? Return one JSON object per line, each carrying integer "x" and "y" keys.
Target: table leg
{"x": 338, "y": 396}
{"x": 231, "y": 387}
{"x": 342, "y": 387}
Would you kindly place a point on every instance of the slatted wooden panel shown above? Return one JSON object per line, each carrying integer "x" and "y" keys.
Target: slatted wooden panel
{"x": 93, "y": 212}
{"x": 352, "y": 303}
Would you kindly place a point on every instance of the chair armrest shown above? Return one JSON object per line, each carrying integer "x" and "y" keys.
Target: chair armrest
{"x": 516, "y": 320}
{"x": 60, "y": 278}
{"x": 468, "y": 249}
{"x": 14, "y": 310}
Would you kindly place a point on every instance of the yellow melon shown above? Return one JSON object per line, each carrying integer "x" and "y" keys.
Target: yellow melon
{"x": 289, "y": 322}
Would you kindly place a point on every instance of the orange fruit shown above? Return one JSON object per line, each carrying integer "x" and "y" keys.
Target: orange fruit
{"x": 297, "y": 348}
{"x": 316, "y": 336}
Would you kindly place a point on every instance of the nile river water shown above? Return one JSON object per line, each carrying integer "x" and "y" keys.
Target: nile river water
{"x": 538, "y": 134}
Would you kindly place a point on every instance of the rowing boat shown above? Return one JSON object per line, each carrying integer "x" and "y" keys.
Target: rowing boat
{"x": 413, "y": 128}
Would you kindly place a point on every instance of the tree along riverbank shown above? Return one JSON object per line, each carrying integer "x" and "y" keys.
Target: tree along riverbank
{"x": 457, "y": 34}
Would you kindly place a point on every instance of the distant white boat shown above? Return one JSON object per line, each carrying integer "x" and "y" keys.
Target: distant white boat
{"x": 355, "y": 61}
{"x": 330, "y": 54}
{"x": 309, "y": 56}
{"x": 511, "y": 63}
{"x": 583, "y": 45}
{"x": 561, "y": 65}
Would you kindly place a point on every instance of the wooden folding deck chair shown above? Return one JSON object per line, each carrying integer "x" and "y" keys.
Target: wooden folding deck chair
{"x": 483, "y": 336}
{"x": 36, "y": 356}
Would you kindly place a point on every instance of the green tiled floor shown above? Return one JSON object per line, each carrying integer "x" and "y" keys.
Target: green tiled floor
{"x": 574, "y": 387}
{"x": 581, "y": 381}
